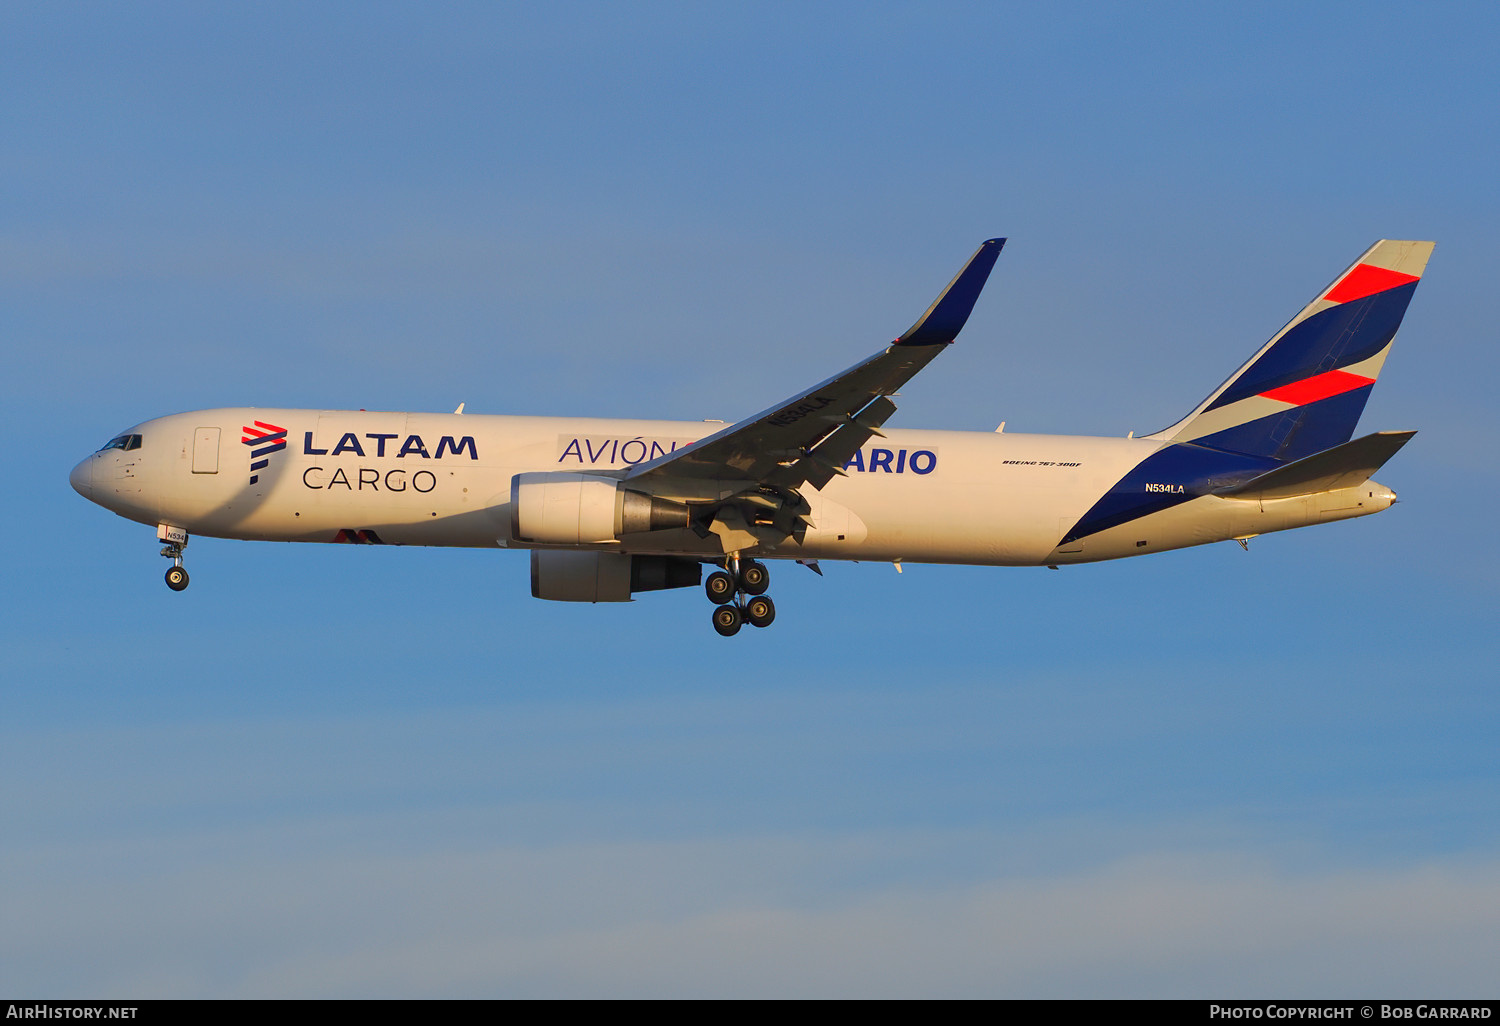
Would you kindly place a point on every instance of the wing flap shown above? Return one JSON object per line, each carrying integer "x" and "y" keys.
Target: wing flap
{"x": 826, "y": 460}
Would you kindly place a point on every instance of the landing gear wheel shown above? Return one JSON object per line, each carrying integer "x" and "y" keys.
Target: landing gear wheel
{"x": 754, "y": 578}
{"x": 720, "y": 589}
{"x": 727, "y": 620}
{"x": 177, "y": 578}
{"x": 760, "y": 611}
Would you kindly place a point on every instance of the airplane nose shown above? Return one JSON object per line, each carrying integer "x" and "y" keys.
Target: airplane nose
{"x": 82, "y": 478}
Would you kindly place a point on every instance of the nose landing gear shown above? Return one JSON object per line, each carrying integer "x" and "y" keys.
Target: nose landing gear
{"x": 738, "y": 595}
{"x": 176, "y": 540}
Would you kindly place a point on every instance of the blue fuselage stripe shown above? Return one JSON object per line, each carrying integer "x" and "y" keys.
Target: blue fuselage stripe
{"x": 1164, "y": 479}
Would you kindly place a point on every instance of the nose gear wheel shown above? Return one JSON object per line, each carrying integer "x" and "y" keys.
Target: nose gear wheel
{"x": 176, "y": 539}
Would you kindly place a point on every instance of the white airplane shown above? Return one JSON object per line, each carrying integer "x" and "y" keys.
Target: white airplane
{"x": 609, "y": 508}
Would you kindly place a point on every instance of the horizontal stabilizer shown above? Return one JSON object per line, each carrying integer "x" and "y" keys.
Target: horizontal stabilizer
{"x": 1340, "y": 467}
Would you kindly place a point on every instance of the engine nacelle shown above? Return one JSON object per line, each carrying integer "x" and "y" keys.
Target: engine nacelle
{"x": 568, "y": 576}
{"x": 585, "y": 509}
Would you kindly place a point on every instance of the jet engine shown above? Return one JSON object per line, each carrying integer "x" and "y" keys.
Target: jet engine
{"x": 584, "y": 509}
{"x": 569, "y": 576}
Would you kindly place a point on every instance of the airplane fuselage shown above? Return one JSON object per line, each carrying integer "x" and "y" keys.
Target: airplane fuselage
{"x": 990, "y": 498}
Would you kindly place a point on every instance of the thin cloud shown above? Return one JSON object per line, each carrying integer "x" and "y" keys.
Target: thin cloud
{"x": 744, "y": 916}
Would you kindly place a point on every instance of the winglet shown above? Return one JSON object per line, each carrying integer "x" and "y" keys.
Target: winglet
{"x": 946, "y": 316}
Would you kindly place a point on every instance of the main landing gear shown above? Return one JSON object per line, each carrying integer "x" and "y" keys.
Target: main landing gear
{"x": 738, "y": 593}
{"x": 176, "y": 540}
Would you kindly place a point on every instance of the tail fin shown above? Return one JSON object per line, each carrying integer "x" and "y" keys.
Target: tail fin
{"x": 1305, "y": 389}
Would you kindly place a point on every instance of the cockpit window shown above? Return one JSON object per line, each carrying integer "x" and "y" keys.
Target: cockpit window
{"x": 126, "y": 442}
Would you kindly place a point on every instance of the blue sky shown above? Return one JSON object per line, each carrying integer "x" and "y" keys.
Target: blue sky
{"x": 332, "y": 771}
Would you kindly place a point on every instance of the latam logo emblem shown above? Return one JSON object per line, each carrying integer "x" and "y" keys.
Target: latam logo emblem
{"x": 267, "y": 438}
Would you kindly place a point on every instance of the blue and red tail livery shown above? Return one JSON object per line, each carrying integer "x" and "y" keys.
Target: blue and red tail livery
{"x": 1300, "y": 395}
{"x": 1305, "y": 389}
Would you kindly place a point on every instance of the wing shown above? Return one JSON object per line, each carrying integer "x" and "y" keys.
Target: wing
{"x": 807, "y": 439}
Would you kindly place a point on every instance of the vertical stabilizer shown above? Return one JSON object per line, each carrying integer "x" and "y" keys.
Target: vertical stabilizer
{"x": 1304, "y": 390}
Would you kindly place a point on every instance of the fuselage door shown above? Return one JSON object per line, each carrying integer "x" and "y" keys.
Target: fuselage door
{"x": 206, "y": 450}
